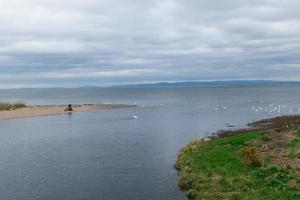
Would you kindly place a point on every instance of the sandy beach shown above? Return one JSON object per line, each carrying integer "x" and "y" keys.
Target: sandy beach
{"x": 46, "y": 110}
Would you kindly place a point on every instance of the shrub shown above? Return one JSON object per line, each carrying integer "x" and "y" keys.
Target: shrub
{"x": 251, "y": 156}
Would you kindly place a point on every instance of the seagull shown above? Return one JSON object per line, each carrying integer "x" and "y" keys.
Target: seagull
{"x": 135, "y": 117}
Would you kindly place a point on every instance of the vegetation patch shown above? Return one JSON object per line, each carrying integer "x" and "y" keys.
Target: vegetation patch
{"x": 251, "y": 156}
{"x": 294, "y": 143}
{"x": 11, "y": 106}
{"x": 236, "y": 167}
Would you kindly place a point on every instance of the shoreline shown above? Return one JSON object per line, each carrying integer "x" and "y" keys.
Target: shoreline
{"x": 259, "y": 162}
{"x": 31, "y": 111}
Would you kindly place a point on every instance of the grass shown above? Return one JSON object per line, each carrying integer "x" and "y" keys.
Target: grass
{"x": 217, "y": 169}
{"x": 11, "y": 106}
{"x": 298, "y": 133}
{"x": 294, "y": 143}
{"x": 294, "y": 146}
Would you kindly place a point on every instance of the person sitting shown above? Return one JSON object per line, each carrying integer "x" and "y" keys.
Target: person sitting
{"x": 69, "y": 108}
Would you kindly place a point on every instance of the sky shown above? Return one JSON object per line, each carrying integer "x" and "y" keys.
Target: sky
{"x": 73, "y": 43}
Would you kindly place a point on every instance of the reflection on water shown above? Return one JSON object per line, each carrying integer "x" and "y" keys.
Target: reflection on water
{"x": 113, "y": 155}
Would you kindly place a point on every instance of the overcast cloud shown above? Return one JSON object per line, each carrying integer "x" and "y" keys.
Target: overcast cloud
{"x": 46, "y": 43}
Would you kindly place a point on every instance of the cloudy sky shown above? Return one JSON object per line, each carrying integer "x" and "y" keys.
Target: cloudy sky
{"x": 46, "y": 43}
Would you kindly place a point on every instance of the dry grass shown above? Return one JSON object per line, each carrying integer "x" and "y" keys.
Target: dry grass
{"x": 11, "y": 106}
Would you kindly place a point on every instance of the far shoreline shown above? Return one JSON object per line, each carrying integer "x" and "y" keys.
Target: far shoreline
{"x": 31, "y": 111}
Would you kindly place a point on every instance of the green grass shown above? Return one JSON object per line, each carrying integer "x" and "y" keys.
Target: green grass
{"x": 294, "y": 147}
{"x": 13, "y": 106}
{"x": 216, "y": 170}
{"x": 294, "y": 143}
{"x": 298, "y": 133}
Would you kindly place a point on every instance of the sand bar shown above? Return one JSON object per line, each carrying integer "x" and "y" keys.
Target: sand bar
{"x": 46, "y": 110}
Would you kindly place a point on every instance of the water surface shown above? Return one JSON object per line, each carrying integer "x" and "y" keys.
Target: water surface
{"x": 108, "y": 154}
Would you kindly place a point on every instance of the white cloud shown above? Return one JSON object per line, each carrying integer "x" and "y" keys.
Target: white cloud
{"x": 83, "y": 73}
{"x": 52, "y": 39}
{"x": 90, "y": 73}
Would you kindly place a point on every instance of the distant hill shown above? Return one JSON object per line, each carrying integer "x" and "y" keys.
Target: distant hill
{"x": 210, "y": 84}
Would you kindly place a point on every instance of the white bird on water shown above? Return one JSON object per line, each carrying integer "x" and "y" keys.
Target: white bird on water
{"x": 135, "y": 117}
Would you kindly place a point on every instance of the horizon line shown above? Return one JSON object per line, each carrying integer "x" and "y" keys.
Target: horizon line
{"x": 141, "y": 84}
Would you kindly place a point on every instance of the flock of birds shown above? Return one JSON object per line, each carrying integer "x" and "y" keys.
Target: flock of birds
{"x": 270, "y": 109}
{"x": 220, "y": 108}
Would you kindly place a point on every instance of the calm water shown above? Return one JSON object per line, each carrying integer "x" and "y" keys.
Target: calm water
{"x": 111, "y": 156}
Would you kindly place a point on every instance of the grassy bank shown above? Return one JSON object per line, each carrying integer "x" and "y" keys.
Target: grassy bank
{"x": 261, "y": 164}
{"x": 11, "y": 106}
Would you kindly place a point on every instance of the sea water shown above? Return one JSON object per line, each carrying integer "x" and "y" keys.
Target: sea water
{"x": 121, "y": 153}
